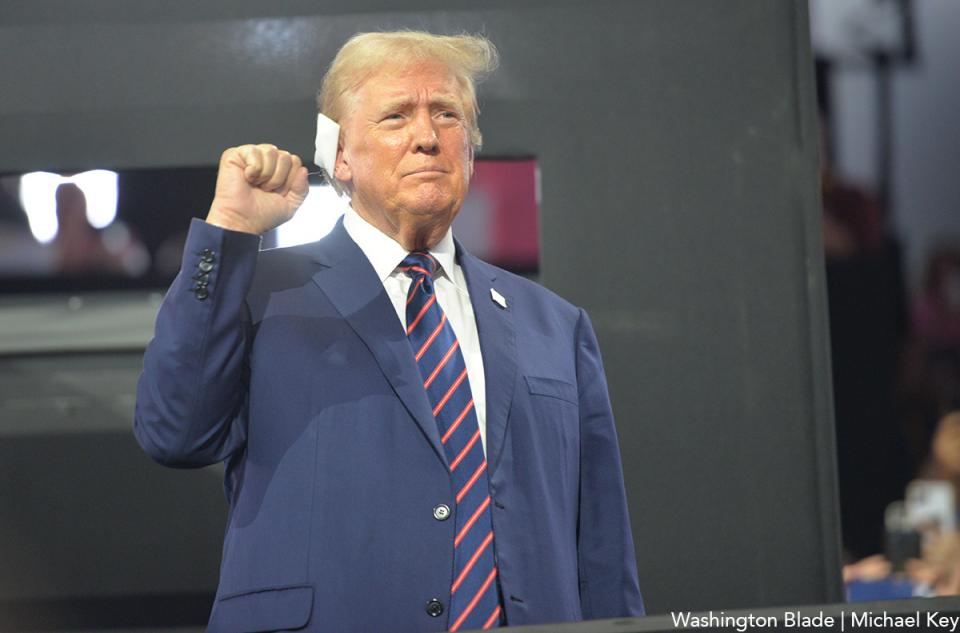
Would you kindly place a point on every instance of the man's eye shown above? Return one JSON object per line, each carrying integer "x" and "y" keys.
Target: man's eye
{"x": 395, "y": 116}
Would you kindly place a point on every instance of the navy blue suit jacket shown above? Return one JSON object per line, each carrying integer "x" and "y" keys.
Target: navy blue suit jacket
{"x": 291, "y": 365}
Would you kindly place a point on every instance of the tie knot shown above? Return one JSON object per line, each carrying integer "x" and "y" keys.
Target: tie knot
{"x": 418, "y": 264}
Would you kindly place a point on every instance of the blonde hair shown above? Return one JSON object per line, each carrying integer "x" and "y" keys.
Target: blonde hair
{"x": 470, "y": 58}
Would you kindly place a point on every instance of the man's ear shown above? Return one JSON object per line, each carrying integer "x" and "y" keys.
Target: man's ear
{"x": 341, "y": 169}
{"x": 470, "y": 159}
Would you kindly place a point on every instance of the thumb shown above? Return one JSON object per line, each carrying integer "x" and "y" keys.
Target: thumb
{"x": 300, "y": 185}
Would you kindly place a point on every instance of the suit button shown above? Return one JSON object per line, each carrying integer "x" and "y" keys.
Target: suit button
{"x": 205, "y": 266}
{"x": 441, "y": 512}
{"x": 202, "y": 293}
{"x": 434, "y": 608}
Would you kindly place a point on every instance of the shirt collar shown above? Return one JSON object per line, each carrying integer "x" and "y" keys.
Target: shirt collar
{"x": 385, "y": 253}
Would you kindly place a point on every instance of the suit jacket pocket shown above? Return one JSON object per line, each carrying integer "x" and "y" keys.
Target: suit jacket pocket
{"x": 270, "y": 609}
{"x": 553, "y": 388}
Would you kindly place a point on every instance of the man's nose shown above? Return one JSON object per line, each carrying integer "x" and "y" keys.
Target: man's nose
{"x": 425, "y": 134}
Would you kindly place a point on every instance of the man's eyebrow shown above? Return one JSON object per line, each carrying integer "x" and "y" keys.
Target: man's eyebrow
{"x": 449, "y": 102}
{"x": 446, "y": 101}
{"x": 397, "y": 103}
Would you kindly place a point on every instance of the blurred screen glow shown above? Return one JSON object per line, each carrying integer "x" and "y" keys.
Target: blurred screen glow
{"x": 314, "y": 219}
{"x": 38, "y": 196}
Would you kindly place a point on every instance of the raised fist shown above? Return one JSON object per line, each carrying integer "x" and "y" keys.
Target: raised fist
{"x": 259, "y": 187}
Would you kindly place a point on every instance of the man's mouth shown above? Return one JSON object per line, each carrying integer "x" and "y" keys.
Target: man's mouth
{"x": 426, "y": 171}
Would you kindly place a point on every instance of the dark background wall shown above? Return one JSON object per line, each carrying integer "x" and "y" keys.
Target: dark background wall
{"x": 677, "y": 146}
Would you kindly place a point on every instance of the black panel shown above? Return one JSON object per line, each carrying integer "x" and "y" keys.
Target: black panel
{"x": 87, "y": 516}
{"x": 698, "y": 186}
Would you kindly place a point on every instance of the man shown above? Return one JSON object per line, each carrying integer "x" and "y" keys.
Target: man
{"x": 414, "y": 439}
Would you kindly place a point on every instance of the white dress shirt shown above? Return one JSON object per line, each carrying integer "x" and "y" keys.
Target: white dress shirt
{"x": 385, "y": 255}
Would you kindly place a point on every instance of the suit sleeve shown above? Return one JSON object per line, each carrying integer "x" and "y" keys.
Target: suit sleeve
{"x": 606, "y": 558}
{"x": 192, "y": 394}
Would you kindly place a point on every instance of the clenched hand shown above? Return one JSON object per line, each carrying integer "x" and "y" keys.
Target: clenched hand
{"x": 259, "y": 187}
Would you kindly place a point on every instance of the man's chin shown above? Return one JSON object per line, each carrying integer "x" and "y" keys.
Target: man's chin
{"x": 436, "y": 208}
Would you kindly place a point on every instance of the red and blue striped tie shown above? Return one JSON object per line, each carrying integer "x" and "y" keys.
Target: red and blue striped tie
{"x": 474, "y": 598}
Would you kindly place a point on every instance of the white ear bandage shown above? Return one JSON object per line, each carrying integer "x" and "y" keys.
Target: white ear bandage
{"x": 328, "y": 137}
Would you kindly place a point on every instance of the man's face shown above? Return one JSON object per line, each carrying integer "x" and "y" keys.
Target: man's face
{"x": 406, "y": 148}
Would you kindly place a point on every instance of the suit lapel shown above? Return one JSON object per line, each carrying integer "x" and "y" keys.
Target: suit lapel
{"x": 351, "y": 284}
{"x": 497, "y": 332}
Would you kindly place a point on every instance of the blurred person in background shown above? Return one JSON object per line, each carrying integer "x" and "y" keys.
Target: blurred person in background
{"x": 867, "y": 310}
{"x": 854, "y": 223}
{"x": 79, "y": 247}
{"x": 936, "y": 571}
{"x": 80, "y": 250}
{"x": 939, "y": 564}
{"x": 936, "y": 325}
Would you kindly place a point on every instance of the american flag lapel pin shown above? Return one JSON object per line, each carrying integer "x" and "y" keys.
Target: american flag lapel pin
{"x": 498, "y": 298}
